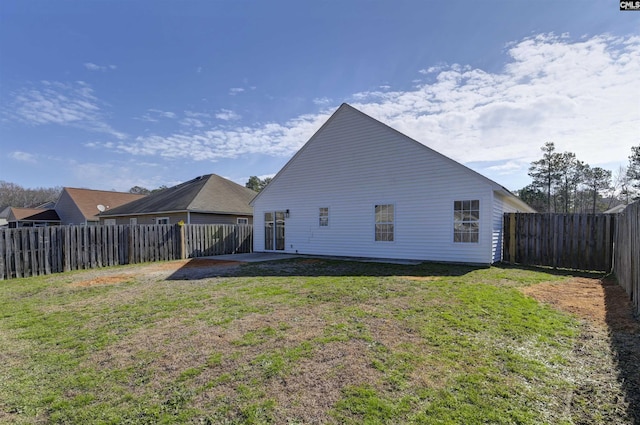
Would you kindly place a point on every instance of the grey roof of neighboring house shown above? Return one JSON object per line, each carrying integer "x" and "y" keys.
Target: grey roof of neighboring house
{"x": 616, "y": 209}
{"x": 209, "y": 194}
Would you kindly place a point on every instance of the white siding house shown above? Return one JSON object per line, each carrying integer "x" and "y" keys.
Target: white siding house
{"x": 360, "y": 188}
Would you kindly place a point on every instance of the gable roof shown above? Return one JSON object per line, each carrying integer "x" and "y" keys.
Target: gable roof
{"x": 345, "y": 108}
{"x": 209, "y": 193}
{"x": 617, "y": 209}
{"x": 87, "y": 200}
{"x": 30, "y": 214}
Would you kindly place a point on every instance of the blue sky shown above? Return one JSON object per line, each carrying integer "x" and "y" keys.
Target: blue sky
{"x": 113, "y": 94}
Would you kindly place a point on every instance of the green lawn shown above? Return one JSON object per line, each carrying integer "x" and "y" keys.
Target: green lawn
{"x": 292, "y": 342}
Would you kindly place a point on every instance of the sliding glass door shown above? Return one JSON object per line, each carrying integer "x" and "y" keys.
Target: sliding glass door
{"x": 274, "y": 231}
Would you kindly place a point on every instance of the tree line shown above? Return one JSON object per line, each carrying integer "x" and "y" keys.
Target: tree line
{"x": 14, "y": 195}
{"x": 564, "y": 184}
{"x": 257, "y": 184}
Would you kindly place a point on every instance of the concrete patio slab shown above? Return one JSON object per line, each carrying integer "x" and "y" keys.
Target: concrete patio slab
{"x": 255, "y": 257}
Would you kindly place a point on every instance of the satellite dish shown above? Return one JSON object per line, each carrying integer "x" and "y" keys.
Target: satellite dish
{"x": 101, "y": 207}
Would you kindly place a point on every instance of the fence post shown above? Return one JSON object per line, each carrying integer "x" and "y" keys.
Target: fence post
{"x": 131, "y": 242}
{"x": 182, "y": 241}
{"x": 512, "y": 238}
{"x": 3, "y": 235}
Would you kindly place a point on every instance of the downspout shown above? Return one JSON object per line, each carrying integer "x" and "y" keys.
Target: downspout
{"x": 188, "y": 217}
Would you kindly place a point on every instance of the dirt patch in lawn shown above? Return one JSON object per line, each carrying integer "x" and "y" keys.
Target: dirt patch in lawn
{"x": 601, "y": 302}
{"x": 105, "y": 280}
{"x": 191, "y": 268}
{"x": 609, "y": 341}
{"x": 194, "y": 263}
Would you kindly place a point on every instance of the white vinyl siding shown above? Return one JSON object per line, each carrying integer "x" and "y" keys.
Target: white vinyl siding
{"x": 371, "y": 163}
{"x": 501, "y": 205}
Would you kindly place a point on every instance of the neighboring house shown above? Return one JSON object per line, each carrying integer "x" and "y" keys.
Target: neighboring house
{"x": 617, "y": 209}
{"x": 205, "y": 199}
{"x": 4, "y": 214}
{"x": 29, "y": 217}
{"x": 47, "y": 205}
{"x": 82, "y": 206}
{"x": 360, "y": 188}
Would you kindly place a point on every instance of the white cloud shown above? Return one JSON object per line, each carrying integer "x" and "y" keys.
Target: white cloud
{"x": 323, "y": 101}
{"x": 23, "y": 156}
{"x": 195, "y": 119}
{"x": 227, "y": 115}
{"x": 235, "y": 90}
{"x": 114, "y": 176}
{"x": 94, "y": 67}
{"x": 192, "y": 114}
{"x": 191, "y": 122}
{"x": 509, "y": 167}
{"x": 433, "y": 69}
{"x": 270, "y": 139}
{"x": 582, "y": 95}
{"x": 67, "y": 104}
{"x": 154, "y": 115}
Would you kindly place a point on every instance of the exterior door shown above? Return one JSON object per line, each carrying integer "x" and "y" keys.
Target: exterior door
{"x": 274, "y": 231}
{"x": 279, "y": 230}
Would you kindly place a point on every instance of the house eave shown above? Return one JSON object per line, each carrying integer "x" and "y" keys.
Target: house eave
{"x": 155, "y": 213}
{"x": 136, "y": 214}
{"x": 519, "y": 203}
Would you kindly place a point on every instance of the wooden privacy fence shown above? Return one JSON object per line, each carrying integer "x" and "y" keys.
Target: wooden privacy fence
{"x": 44, "y": 250}
{"x": 204, "y": 240}
{"x": 573, "y": 241}
{"x": 626, "y": 259}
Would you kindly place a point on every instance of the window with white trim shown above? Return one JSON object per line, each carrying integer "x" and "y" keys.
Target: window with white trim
{"x": 109, "y": 221}
{"x": 133, "y": 220}
{"x": 323, "y": 216}
{"x": 162, "y": 220}
{"x": 242, "y": 220}
{"x": 384, "y": 227}
{"x": 466, "y": 221}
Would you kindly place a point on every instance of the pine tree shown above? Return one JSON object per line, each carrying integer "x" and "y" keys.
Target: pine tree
{"x": 546, "y": 171}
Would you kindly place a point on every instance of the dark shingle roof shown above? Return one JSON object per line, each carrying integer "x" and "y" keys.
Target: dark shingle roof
{"x": 209, "y": 193}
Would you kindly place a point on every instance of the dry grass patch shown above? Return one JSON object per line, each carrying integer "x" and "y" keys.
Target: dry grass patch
{"x": 310, "y": 392}
{"x": 609, "y": 341}
{"x": 583, "y": 297}
{"x": 602, "y": 302}
{"x": 422, "y": 278}
{"x": 104, "y": 280}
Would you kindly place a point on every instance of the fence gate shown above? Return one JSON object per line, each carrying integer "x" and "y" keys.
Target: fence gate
{"x": 573, "y": 241}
